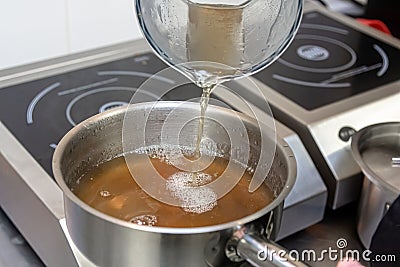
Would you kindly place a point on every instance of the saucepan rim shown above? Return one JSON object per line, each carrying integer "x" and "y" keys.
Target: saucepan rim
{"x": 356, "y": 142}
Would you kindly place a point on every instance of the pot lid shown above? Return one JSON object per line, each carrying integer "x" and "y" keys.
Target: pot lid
{"x": 377, "y": 150}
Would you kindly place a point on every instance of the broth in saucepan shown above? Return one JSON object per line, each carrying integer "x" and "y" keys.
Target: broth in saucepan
{"x": 111, "y": 189}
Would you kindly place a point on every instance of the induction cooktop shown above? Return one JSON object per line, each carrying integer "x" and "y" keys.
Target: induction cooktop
{"x": 44, "y": 110}
{"x": 329, "y": 61}
{"x": 337, "y": 77}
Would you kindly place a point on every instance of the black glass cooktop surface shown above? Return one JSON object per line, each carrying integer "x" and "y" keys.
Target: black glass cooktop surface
{"x": 40, "y": 112}
{"x": 329, "y": 61}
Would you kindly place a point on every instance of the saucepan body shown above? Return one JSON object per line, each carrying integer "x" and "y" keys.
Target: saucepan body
{"x": 376, "y": 149}
{"x": 108, "y": 241}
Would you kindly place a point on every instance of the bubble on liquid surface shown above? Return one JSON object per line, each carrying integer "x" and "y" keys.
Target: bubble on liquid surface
{"x": 190, "y": 190}
{"x": 105, "y": 193}
{"x": 169, "y": 154}
{"x": 172, "y": 154}
{"x": 147, "y": 220}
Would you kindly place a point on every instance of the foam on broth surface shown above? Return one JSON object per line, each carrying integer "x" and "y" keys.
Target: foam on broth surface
{"x": 111, "y": 189}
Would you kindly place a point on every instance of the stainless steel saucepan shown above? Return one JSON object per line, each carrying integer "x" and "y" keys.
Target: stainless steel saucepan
{"x": 376, "y": 149}
{"x": 108, "y": 241}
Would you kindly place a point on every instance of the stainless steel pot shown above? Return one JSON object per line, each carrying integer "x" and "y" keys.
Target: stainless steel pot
{"x": 377, "y": 150}
{"x": 108, "y": 241}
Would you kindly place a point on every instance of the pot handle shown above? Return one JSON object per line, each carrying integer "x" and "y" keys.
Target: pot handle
{"x": 260, "y": 252}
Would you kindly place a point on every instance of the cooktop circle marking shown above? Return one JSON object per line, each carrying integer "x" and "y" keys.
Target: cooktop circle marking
{"x": 95, "y": 91}
{"x": 110, "y": 105}
{"x": 311, "y": 84}
{"x": 324, "y": 28}
{"x": 350, "y": 50}
{"x": 136, "y": 73}
{"x": 35, "y": 100}
{"x": 313, "y": 52}
{"x": 87, "y": 87}
{"x": 385, "y": 60}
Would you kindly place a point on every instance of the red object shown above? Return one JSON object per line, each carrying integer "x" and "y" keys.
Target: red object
{"x": 377, "y": 24}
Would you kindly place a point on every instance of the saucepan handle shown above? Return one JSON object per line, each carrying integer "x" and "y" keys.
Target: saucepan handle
{"x": 262, "y": 252}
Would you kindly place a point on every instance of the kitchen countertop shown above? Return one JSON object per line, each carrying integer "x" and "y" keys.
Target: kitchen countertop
{"x": 338, "y": 224}
{"x": 14, "y": 250}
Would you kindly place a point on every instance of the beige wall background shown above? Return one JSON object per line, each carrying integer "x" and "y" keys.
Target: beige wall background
{"x": 32, "y": 31}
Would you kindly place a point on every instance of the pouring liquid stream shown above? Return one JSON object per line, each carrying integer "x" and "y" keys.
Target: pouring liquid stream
{"x": 215, "y": 40}
{"x": 205, "y": 98}
{"x": 215, "y": 35}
